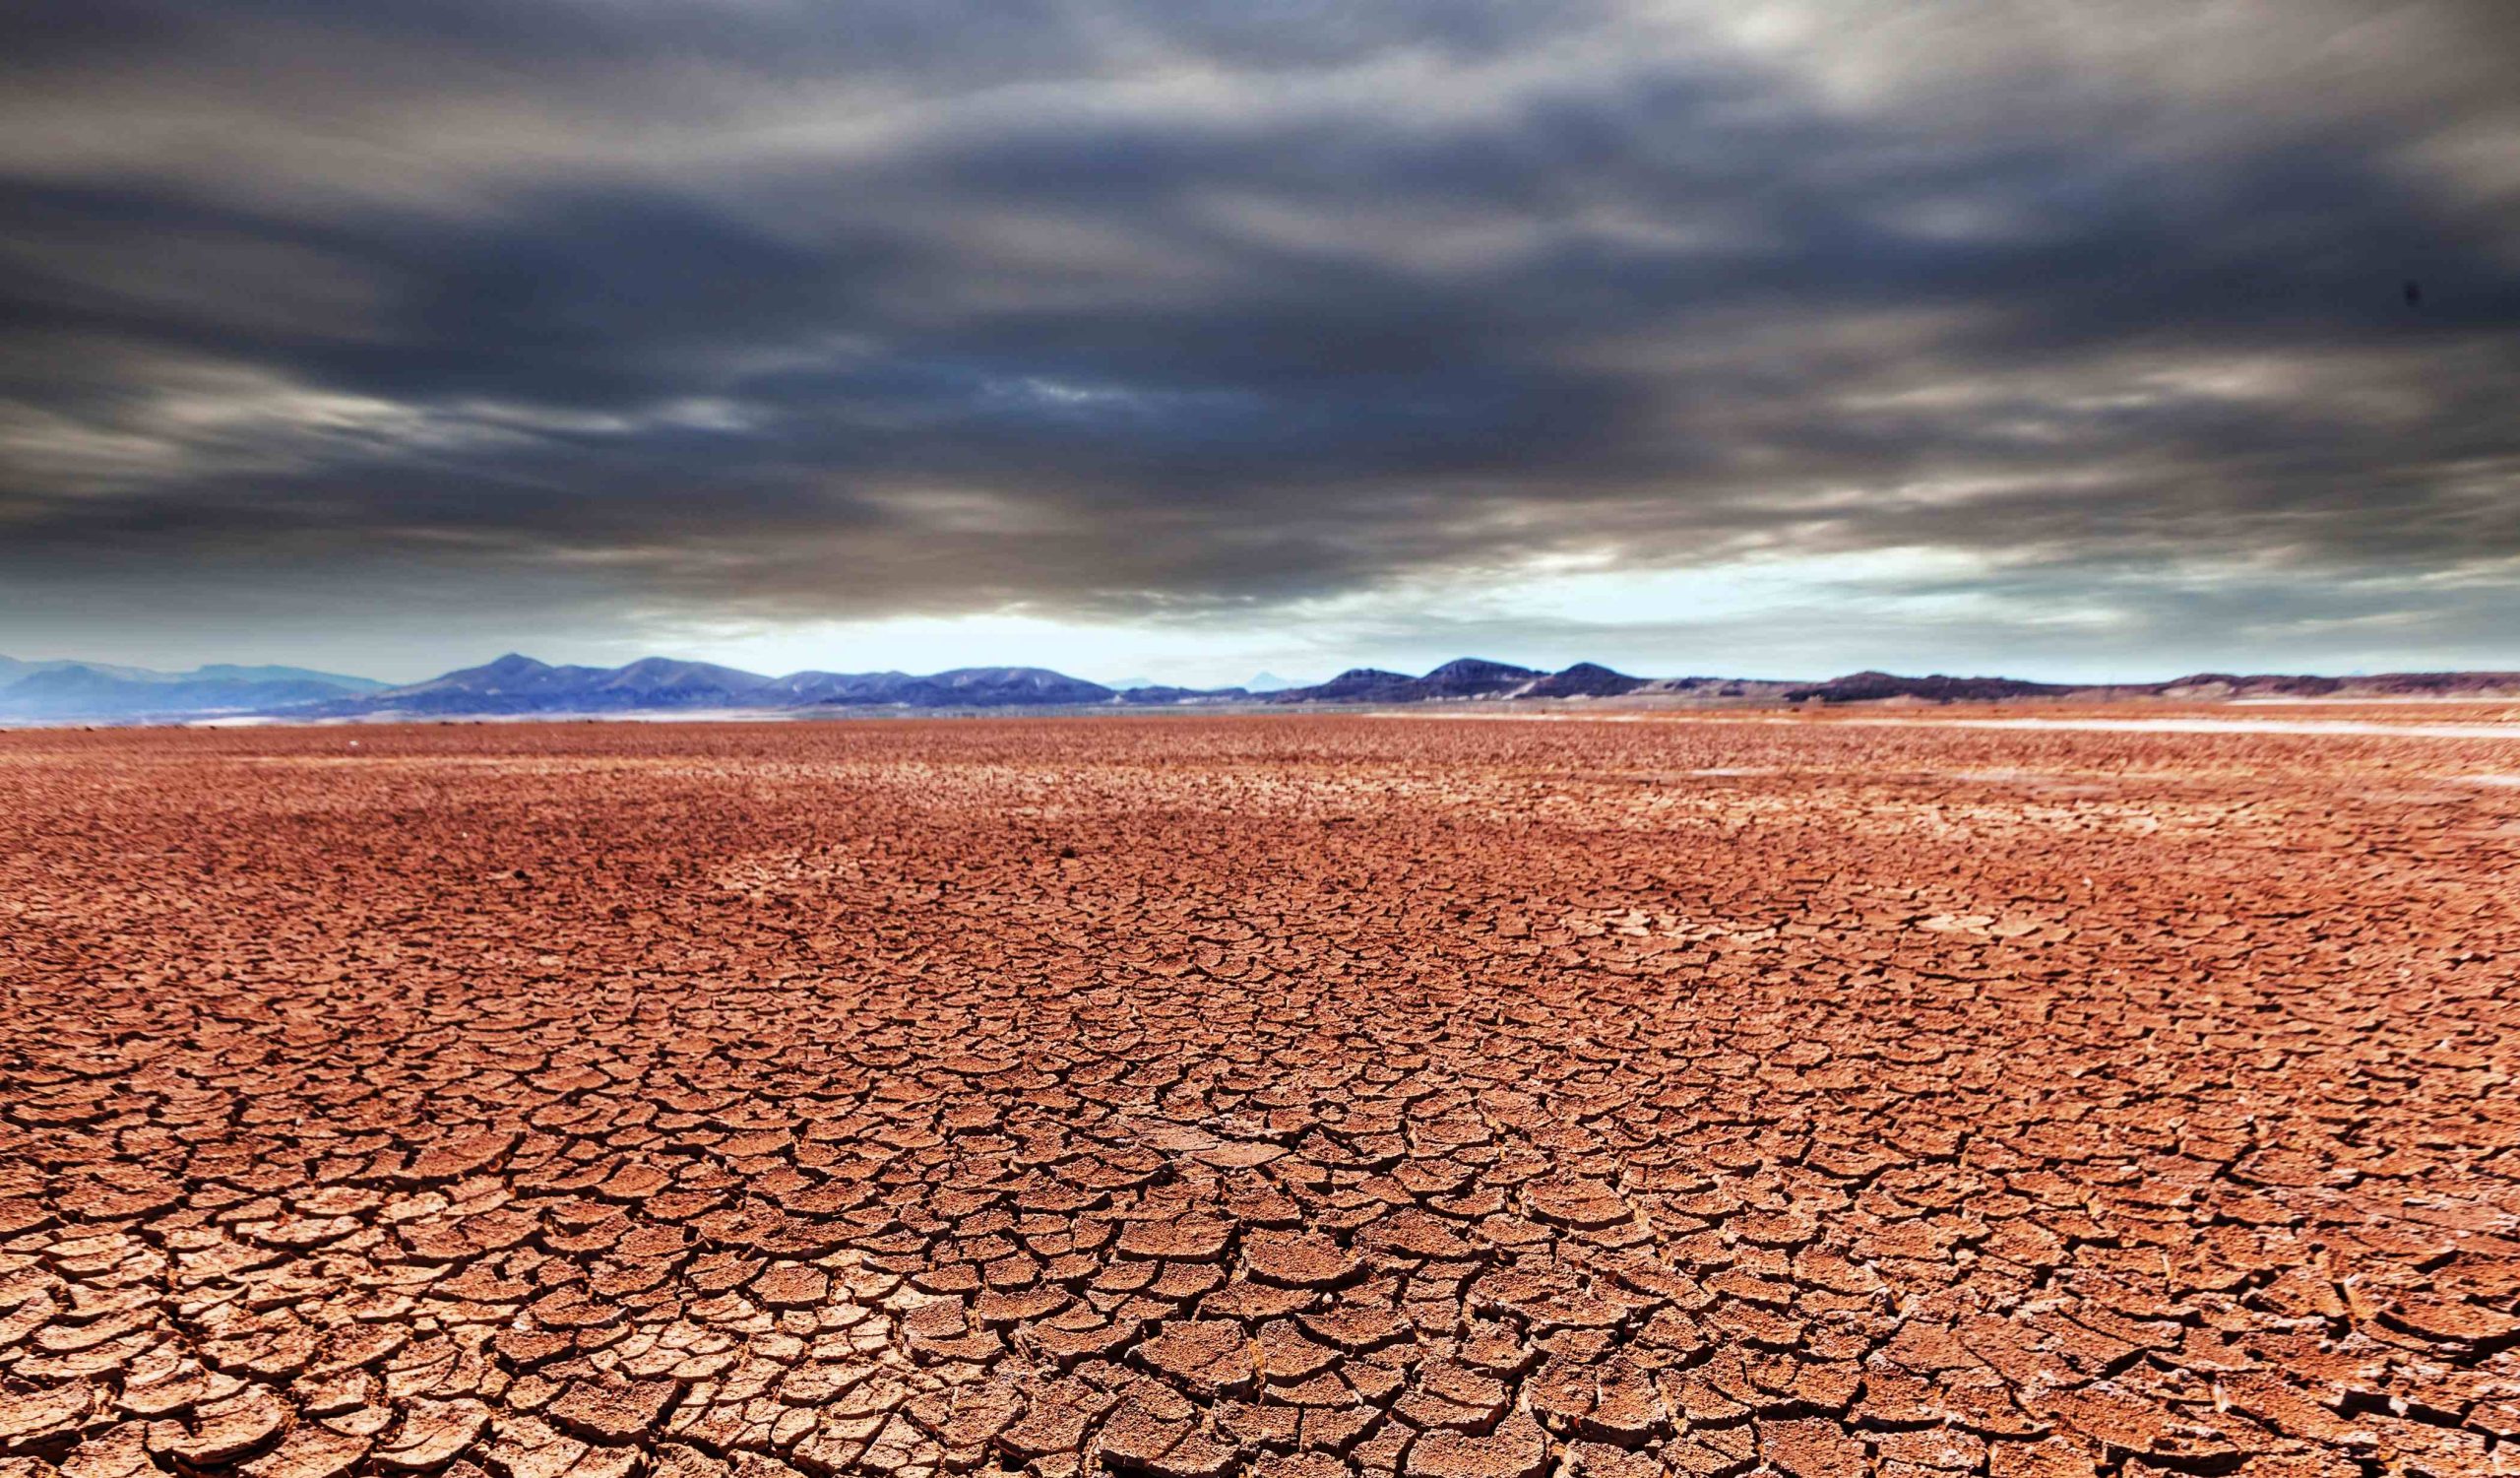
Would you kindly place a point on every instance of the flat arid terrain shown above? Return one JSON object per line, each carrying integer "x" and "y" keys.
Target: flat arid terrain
{"x": 1292, "y": 1094}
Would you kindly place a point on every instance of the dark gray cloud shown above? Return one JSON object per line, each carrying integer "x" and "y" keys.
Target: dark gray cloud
{"x": 573, "y": 313}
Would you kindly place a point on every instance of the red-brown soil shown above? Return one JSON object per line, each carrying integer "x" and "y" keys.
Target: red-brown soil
{"x": 1289, "y": 1095}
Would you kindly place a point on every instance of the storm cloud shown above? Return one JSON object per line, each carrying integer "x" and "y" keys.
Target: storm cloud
{"x": 622, "y": 313}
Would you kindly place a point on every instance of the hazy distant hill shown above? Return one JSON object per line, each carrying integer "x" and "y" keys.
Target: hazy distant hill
{"x": 514, "y": 683}
{"x": 519, "y": 684}
{"x": 1148, "y": 694}
{"x": 13, "y": 668}
{"x": 1873, "y": 688}
{"x": 2207, "y": 686}
{"x": 1865, "y": 687}
{"x": 991, "y": 687}
{"x": 81, "y": 691}
{"x": 1585, "y": 679}
{"x": 962, "y": 687}
{"x": 1463, "y": 678}
{"x": 1354, "y": 685}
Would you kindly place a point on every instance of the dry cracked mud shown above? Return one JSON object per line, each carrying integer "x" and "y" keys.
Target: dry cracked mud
{"x": 1292, "y": 1096}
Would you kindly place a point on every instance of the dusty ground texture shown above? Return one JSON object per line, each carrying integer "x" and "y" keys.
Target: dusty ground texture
{"x": 1296, "y": 1095}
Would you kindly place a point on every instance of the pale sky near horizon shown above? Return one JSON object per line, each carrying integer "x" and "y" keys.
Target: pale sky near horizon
{"x": 1187, "y": 340}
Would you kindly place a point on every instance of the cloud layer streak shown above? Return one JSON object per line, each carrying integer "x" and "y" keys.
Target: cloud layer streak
{"x": 1122, "y": 312}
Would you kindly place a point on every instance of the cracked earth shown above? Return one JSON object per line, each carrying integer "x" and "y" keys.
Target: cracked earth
{"x": 1293, "y": 1096}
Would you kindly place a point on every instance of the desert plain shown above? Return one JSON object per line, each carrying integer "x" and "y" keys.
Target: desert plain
{"x": 1296, "y": 1095}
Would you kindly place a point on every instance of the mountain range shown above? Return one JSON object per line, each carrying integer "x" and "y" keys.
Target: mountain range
{"x": 515, "y": 685}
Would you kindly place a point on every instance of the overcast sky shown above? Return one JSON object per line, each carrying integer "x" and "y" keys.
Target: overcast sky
{"x": 1176, "y": 338}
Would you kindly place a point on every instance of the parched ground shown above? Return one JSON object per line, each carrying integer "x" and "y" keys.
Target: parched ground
{"x": 1288, "y": 1095}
